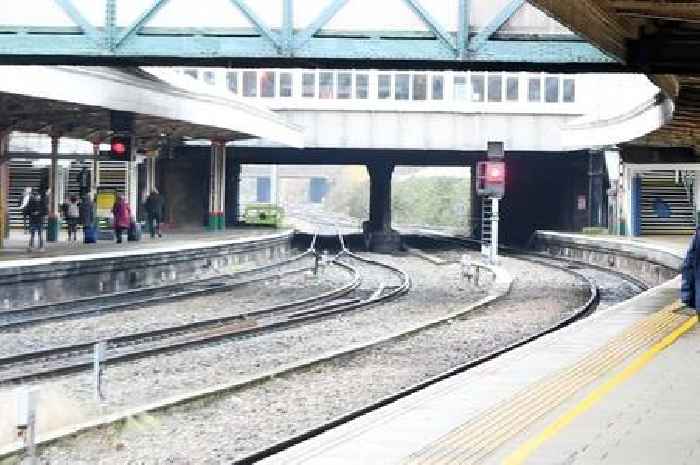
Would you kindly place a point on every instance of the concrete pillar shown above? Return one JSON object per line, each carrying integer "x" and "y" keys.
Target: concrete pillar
{"x": 132, "y": 179}
{"x": 379, "y": 237}
{"x": 54, "y": 223}
{"x": 233, "y": 192}
{"x": 95, "y": 178}
{"x": 217, "y": 186}
{"x": 4, "y": 187}
{"x": 596, "y": 188}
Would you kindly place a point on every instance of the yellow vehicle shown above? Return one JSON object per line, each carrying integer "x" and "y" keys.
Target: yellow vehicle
{"x": 263, "y": 214}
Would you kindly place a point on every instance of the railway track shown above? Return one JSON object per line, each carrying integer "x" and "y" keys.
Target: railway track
{"x": 583, "y": 310}
{"x": 57, "y": 360}
{"x": 132, "y": 298}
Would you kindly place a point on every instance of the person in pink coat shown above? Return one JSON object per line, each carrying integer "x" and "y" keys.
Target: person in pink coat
{"x": 122, "y": 217}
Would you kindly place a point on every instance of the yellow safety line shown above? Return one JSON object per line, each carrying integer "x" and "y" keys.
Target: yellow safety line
{"x": 475, "y": 435}
{"x": 554, "y": 428}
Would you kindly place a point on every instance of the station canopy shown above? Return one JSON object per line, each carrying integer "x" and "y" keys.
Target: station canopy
{"x": 75, "y": 102}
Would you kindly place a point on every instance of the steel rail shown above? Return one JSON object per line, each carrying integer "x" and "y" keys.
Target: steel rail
{"x": 78, "y": 356}
{"x": 578, "y": 313}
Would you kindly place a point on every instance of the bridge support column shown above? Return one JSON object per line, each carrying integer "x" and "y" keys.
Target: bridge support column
{"x": 54, "y": 223}
{"x": 233, "y": 192}
{"x": 217, "y": 186}
{"x": 379, "y": 237}
{"x": 596, "y": 189}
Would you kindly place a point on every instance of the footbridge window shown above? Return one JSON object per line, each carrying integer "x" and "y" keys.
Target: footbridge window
{"x": 361, "y": 86}
{"x": 477, "y": 81}
{"x": 267, "y": 84}
{"x": 495, "y": 88}
{"x": 308, "y": 85}
{"x": 420, "y": 87}
{"x": 250, "y": 83}
{"x": 286, "y": 84}
{"x": 403, "y": 87}
{"x": 344, "y": 86}
{"x": 384, "y": 86}
{"x": 417, "y": 86}
{"x": 438, "y": 87}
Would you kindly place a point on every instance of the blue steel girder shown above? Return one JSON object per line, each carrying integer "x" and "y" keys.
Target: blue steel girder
{"x": 434, "y": 26}
{"x": 140, "y": 21}
{"x": 261, "y": 45}
{"x": 498, "y": 20}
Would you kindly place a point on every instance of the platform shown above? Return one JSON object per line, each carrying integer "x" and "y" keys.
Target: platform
{"x": 68, "y": 271}
{"x": 16, "y": 246}
{"x": 602, "y": 390}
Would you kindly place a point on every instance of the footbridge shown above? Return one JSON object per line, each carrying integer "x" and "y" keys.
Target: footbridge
{"x": 463, "y": 34}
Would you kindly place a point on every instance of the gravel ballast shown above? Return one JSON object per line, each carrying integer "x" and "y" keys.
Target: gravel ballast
{"x": 221, "y": 430}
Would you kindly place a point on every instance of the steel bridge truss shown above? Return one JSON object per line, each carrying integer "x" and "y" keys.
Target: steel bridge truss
{"x": 259, "y": 44}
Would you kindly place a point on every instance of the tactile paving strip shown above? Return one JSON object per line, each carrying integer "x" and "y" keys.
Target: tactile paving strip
{"x": 478, "y": 438}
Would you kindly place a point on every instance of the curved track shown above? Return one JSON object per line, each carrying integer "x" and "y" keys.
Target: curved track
{"x": 56, "y": 360}
{"x": 592, "y": 275}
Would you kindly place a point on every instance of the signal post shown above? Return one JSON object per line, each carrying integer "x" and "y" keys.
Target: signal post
{"x": 491, "y": 182}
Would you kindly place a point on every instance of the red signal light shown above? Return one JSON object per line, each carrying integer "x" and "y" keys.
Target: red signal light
{"x": 118, "y": 148}
{"x": 495, "y": 172}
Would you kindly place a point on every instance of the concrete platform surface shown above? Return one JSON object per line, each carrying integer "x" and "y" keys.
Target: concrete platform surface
{"x": 567, "y": 398}
{"x": 15, "y": 248}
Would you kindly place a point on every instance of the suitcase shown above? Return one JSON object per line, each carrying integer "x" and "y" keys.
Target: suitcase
{"x": 134, "y": 233}
{"x": 90, "y": 233}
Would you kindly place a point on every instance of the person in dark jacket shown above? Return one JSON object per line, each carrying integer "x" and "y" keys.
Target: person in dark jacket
{"x": 36, "y": 212}
{"x": 690, "y": 275}
{"x": 154, "y": 212}
{"x": 87, "y": 213}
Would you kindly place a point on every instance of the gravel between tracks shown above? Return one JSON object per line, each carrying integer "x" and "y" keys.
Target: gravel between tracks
{"x": 218, "y": 431}
{"x": 176, "y": 312}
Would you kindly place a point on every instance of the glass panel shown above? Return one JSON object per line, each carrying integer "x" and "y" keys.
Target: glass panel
{"x": 267, "y": 84}
{"x": 325, "y": 85}
{"x": 460, "y": 84}
{"x": 534, "y": 90}
{"x": 232, "y": 81}
{"x": 384, "y": 88}
{"x": 551, "y": 89}
{"x": 344, "y": 85}
{"x": 403, "y": 86}
{"x": 512, "y": 89}
{"x": 192, "y": 73}
{"x": 477, "y": 88}
{"x": 361, "y": 86}
{"x": 438, "y": 87}
{"x": 285, "y": 84}
{"x": 250, "y": 83}
{"x": 209, "y": 77}
{"x": 569, "y": 90}
{"x": 420, "y": 87}
{"x": 308, "y": 85}
{"x": 495, "y": 88}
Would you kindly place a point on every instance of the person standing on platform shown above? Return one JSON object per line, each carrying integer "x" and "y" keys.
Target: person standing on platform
{"x": 87, "y": 219}
{"x": 154, "y": 212}
{"x": 690, "y": 275}
{"x": 122, "y": 217}
{"x": 72, "y": 218}
{"x": 36, "y": 211}
{"x": 25, "y": 200}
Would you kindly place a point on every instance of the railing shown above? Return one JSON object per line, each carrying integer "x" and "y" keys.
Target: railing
{"x": 687, "y": 178}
